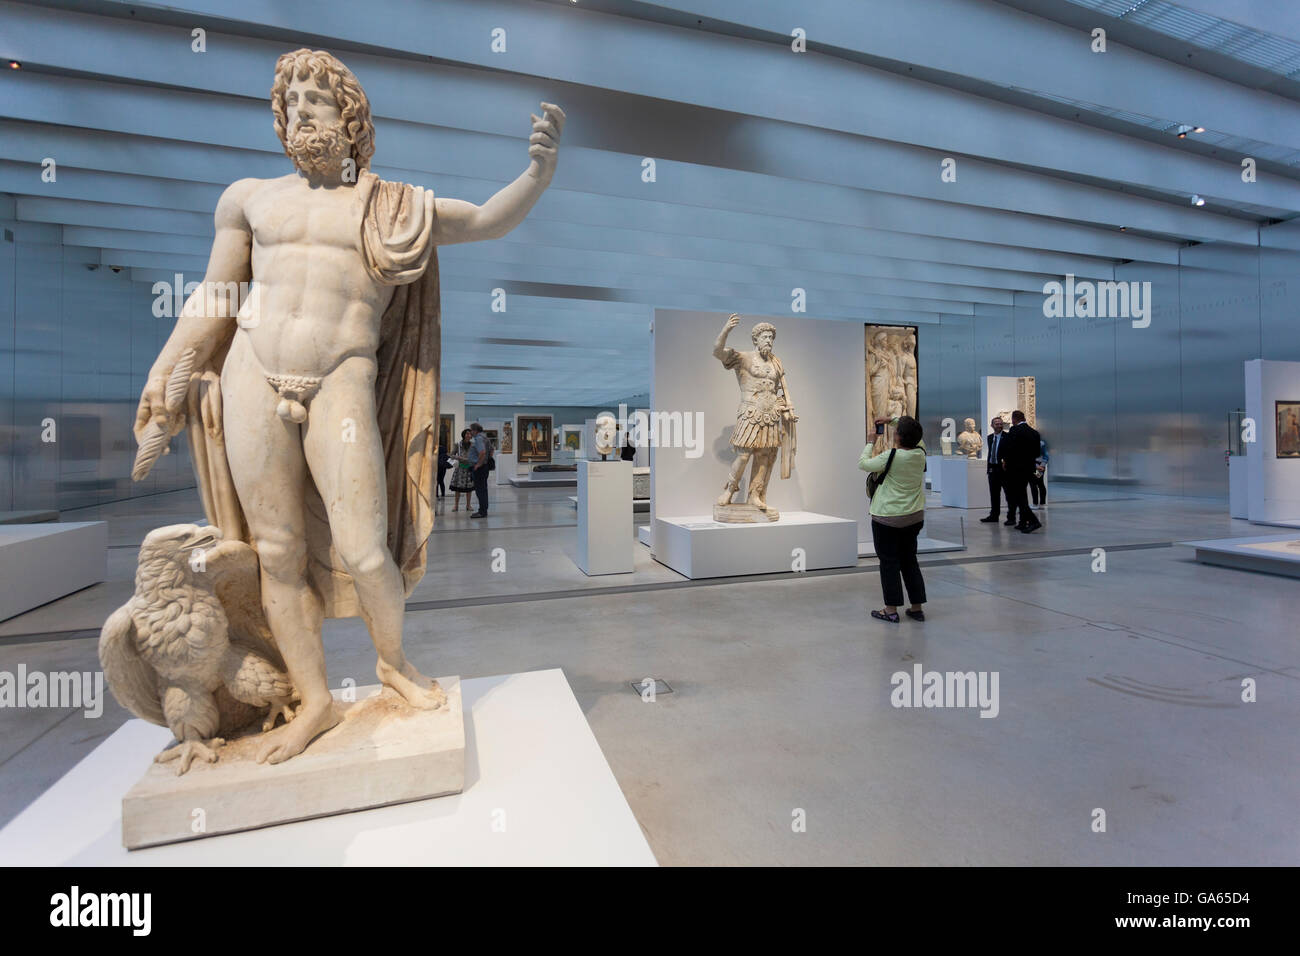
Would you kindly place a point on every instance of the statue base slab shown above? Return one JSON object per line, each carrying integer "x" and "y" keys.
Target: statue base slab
{"x": 383, "y": 752}
{"x": 744, "y": 514}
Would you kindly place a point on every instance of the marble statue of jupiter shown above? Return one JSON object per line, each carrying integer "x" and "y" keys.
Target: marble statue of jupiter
{"x": 312, "y": 408}
{"x": 764, "y": 422}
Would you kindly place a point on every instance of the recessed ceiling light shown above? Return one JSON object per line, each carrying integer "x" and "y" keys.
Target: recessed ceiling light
{"x": 1199, "y": 129}
{"x": 15, "y": 65}
{"x": 1198, "y": 201}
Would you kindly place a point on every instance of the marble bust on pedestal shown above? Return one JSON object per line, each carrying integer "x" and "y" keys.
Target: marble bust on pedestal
{"x": 970, "y": 441}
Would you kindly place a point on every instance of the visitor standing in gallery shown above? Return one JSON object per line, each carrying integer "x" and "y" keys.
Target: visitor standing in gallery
{"x": 1038, "y": 483}
{"x": 994, "y": 471}
{"x": 462, "y": 479}
{"x": 478, "y": 456}
{"x": 444, "y": 462}
{"x": 1022, "y": 448}
{"x": 897, "y": 516}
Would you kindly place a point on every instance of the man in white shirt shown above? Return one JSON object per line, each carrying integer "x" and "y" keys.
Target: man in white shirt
{"x": 997, "y": 487}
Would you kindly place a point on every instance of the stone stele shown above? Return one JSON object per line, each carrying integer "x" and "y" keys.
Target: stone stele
{"x": 382, "y": 751}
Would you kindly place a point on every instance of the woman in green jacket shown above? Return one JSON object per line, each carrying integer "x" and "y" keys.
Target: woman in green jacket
{"x": 897, "y": 516}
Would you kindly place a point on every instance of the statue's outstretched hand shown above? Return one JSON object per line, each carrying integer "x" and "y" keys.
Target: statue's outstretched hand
{"x": 153, "y": 407}
{"x": 544, "y": 143}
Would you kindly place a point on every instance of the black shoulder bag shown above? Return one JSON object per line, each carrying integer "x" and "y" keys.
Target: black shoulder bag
{"x": 874, "y": 481}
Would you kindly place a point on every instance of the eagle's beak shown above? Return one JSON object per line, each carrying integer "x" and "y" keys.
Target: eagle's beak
{"x": 202, "y": 538}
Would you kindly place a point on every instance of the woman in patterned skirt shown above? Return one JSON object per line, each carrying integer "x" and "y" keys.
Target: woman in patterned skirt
{"x": 462, "y": 479}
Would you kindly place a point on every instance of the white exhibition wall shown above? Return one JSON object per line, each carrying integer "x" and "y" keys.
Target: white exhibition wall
{"x": 453, "y": 403}
{"x": 1274, "y": 483}
{"x": 998, "y": 393}
{"x": 825, "y": 370}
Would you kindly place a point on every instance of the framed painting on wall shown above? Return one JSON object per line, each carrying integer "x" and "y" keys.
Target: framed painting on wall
{"x": 572, "y": 437}
{"x": 534, "y": 438}
{"x": 447, "y": 431}
{"x": 507, "y": 438}
{"x": 1288, "y": 429}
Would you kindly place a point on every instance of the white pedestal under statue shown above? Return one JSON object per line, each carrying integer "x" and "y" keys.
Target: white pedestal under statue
{"x": 505, "y": 468}
{"x": 605, "y": 539}
{"x": 934, "y": 470}
{"x": 965, "y": 483}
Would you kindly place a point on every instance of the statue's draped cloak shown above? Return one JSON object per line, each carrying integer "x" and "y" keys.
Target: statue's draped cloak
{"x": 396, "y": 244}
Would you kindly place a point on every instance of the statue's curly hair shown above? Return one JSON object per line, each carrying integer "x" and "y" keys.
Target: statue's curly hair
{"x": 762, "y": 327}
{"x": 351, "y": 98}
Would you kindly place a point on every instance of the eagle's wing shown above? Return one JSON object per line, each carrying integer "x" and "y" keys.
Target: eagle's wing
{"x": 133, "y": 682}
{"x": 251, "y": 678}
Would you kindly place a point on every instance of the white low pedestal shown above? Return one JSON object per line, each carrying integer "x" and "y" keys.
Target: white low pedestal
{"x": 934, "y": 471}
{"x": 41, "y": 562}
{"x": 538, "y": 792}
{"x": 505, "y": 468}
{"x": 699, "y": 547}
{"x": 383, "y": 751}
{"x": 965, "y": 483}
{"x": 1269, "y": 553}
{"x": 604, "y": 517}
{"x": 924, "y": 545}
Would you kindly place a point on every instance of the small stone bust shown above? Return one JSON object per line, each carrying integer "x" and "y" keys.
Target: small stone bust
{"x": 606, "y": 434}
{"x": 970, "y": 441}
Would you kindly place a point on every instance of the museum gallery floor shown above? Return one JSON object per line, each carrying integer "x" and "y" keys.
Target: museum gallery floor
{"x": 1120, "y": 689}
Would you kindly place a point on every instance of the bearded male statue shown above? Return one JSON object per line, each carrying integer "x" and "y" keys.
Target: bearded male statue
{"x": 312, "y": 404}
{"x": 765, "y": 423}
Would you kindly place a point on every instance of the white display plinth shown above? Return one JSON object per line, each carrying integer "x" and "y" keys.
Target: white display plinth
{"x": 605, "y": 517}
{"x": 538, "y": 792}
{"x": 1238, "y": 487}
{"x": 965, "y": 483}
{"x": 924, "y": 545}
{"x": 699, "y": 547}
{"x": 505, "y": 468}
{"x": 934, "y": 471}
{"x": 383, "y": 751}
{"x": 42, "y": 562}
{"x": 1269, "y": 553}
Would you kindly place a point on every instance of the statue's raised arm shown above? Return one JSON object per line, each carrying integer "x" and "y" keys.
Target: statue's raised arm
{"x": 461, "y": 221}
{"x": 721, "y": 352}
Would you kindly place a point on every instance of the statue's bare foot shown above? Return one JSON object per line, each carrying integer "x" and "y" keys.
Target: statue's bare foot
{"x": 758, "y": 503}
{"x": 418, "y": 690}
{"x": 724, "y": 499}
{"x": 291, "y": 739}
{"x": 186, "y": 752}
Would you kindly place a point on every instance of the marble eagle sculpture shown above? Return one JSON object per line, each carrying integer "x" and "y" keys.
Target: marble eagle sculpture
{"x": 191, "y": 650}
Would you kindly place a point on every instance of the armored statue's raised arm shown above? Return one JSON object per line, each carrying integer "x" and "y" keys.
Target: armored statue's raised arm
{"x": 312, "y": 400}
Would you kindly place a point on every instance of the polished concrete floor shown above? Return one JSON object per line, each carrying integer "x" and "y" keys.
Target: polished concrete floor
{"x": 1118, "y": 691}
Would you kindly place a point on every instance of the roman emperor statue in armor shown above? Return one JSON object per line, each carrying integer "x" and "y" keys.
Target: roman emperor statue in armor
{"x": 764, "y": 423}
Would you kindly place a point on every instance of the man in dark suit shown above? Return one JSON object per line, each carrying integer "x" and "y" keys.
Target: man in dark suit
{"x": 1020, "y": 449}
{"x": 997, "y": 486}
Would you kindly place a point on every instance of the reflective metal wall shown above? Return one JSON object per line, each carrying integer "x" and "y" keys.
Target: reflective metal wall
{"x": 1143, "y": 408}
{"x": 76, "y": 343}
